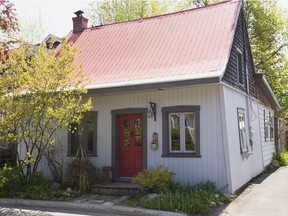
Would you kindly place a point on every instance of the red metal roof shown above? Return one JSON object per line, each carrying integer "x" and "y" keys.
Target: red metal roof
{"x": 185, "y": 45}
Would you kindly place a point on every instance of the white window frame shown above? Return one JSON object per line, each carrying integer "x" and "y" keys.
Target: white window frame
{"x": 165, "y": 131}
{"x": 242, "y": 131}
{"x": 266, "y": 125}
{"x": 271, "y": 128}
{"x": 182, "y": 133}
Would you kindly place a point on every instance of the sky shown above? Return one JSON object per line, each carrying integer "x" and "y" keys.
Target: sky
{"x": 57, "y": 14}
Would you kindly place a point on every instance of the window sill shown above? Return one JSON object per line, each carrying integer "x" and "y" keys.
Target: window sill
{"x": 87, "y": 155}
{"x": 182, "y": 155}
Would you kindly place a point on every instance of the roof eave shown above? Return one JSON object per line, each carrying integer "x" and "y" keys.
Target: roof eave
{"x": 149, "y": 86}
{"x": 262, "y": 83}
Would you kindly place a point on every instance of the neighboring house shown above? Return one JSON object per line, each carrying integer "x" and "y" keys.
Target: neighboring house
{"x": 178, "y": 90}
{"x": 48, "y": 40}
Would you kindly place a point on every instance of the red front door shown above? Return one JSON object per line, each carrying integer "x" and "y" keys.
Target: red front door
{"x": 131, "y": 144}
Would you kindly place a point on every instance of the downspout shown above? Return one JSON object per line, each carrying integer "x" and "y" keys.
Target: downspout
{"x": 248, "y": 99}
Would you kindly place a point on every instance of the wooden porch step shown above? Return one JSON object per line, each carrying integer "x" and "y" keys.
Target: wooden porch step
{"x": 115, "y": 188}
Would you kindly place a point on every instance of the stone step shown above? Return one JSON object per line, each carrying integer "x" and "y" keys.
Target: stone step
{"x": 115, "y": 188}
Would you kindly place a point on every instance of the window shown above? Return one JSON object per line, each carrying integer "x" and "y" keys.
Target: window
{"x": 266, "y": 128}
{"x": 240, "y": 68}
{"x": 268, "y": 122}
{"x": 242, "y": 131}
{"x": 84, "y": 134}
{"x": 271, "y": 123}
{"x": 181, "y": 131}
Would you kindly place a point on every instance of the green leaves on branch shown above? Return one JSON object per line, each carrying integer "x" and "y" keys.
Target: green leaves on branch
{"x": 124, "y": 10}
{"x": 39, "y": 94}
{"x": 268, "y": 27}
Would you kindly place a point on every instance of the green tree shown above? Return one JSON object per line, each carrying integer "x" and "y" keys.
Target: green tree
{"x": 123, "y": 10}
{"x": 268, "y": 34}
{"x": 39, "y": 94}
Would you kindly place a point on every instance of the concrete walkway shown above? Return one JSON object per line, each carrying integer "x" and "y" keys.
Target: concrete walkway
{"x": 265, "y": 197}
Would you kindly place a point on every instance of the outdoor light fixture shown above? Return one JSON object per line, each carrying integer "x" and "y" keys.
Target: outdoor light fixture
{"x": 152, "y": 111}
{"x": 154, "y": 143}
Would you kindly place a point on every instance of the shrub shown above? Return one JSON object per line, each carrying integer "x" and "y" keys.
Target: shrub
{"x": 63, "y": 195}
{"x": 39, "y": 188}
{"x": 282, "y": 158}
{"x": 185, "y": 198}
{"x": 38, "y": 192}
{"x": 284, "y": 155}
{"x": 81, "y": 174}
{"x": 10, "y": 181}
{"x": 154, "y": 180}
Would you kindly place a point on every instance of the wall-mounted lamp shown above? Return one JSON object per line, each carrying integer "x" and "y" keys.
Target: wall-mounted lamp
{"x": 154, "y": 143}
{"x": 152, "y": 111}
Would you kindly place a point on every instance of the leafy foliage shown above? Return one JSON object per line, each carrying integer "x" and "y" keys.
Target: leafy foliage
{"x": 125, "y": 10}
{"x": 154, "y": 179}
{"x": 39, "y": 94}
{"x": 10, "y": 181}
{"x": 282, "y": 158}
{"x": 38, "y": 191}
{"x": 39, "y": 188}
{"x": 267, "y": 27}
{"x": 8, "y": 23}
{"x": 61, "y": 195}
{"x": 11, "y": 185}
{"x": 186, "y": 198}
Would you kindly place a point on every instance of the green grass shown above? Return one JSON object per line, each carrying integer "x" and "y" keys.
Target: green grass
{"x": 186, "y": 198}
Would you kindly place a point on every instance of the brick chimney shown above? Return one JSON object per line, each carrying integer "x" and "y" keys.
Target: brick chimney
{"x": 79, "y": 22}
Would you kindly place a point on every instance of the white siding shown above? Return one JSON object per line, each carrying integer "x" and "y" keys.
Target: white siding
{"x": 243, "y": 167}
{"x": 209, "y": 167}
{"x": 268, "y": 145}
{"x": 220, "y": 162}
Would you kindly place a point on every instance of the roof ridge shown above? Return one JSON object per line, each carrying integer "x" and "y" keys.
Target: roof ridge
{"x": 164, "y": 15}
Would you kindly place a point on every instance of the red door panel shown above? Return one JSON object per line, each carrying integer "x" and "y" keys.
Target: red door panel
{"x": 130, "y": 144}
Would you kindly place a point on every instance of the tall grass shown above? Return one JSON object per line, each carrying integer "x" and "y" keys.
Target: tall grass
{"x": 185, "y": 198}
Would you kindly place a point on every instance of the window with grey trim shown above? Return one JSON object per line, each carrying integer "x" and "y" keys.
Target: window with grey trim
{"x": 242, "y": 131}
{"x": 181, "y": 131}
{"x": 84, "y": 134}
{"x": 271, "y": 124}
{"x": 240, "y": 68}
{"x": 266, "y": 125}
